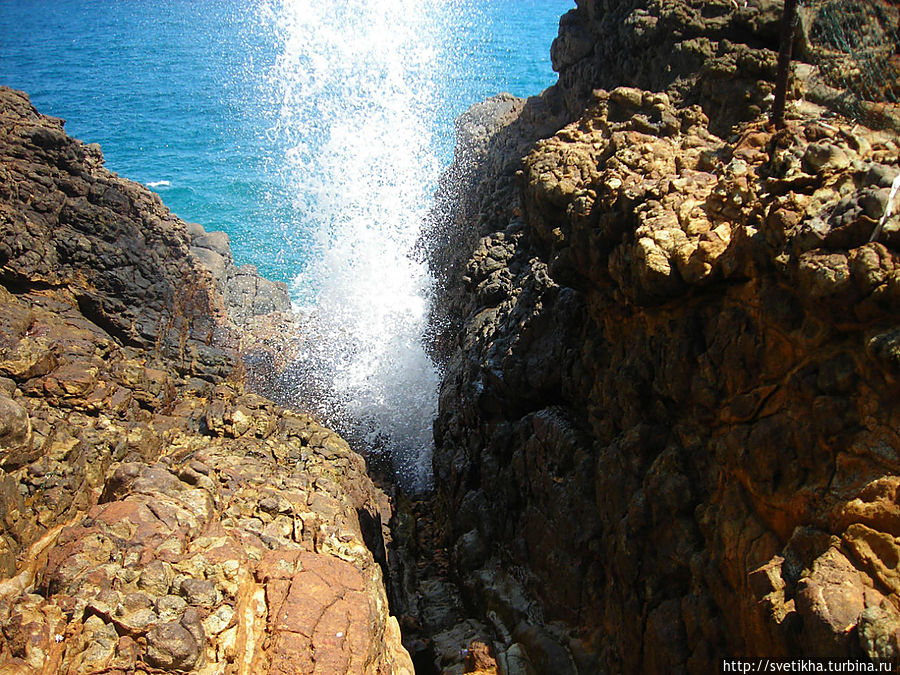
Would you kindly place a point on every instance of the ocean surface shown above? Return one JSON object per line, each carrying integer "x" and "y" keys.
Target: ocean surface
{"x": 313, "y": 132}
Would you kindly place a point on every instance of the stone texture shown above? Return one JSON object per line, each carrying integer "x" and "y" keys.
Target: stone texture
{"x": 69, "y": 227}
{"x": 670, "y": 359}
{"x": 247, "y": 295}
{"x": 720, "y": 54}
{"x": 155, "y": 515}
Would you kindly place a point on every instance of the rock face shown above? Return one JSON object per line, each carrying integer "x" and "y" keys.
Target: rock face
{"x": 668, "y": 421}
{"x": 155, "y": 516}
{"x": 718, "y": 53}
{"x": 246, "y": 294}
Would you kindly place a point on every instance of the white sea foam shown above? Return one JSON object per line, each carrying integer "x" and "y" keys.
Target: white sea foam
{"x": 355, "y": 86}
{"x": 158, "y": 183}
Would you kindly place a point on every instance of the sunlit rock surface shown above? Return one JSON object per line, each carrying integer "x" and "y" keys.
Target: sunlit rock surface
{"x": 668, "y": 420}
{"x": 155, "y": 516}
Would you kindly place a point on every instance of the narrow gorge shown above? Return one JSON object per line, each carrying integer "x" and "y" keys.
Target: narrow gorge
{"x": 667, "y": 432}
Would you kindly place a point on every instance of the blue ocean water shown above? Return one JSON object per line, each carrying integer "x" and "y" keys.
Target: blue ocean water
{"x": 313, "y": 132}
{"x": 179, "y": 94}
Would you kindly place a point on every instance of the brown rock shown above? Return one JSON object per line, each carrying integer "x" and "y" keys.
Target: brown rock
{"x": 830, "y": 600}
{"x": 156, "y": 578}
{"x": 172, "y": 647}
{"x": 822, "y": 157}
{"x": 132, "y": 469}
{"x": 480, "y": 660}
{"x": 876, "y": 507}
{"x": 15, "y": 434}
{"x": 199, "y": 592}
{"x": 698, "y": 307}
{"x": 879, "y": 552}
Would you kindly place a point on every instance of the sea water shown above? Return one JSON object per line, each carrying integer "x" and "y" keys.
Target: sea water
{"x": 313, "y": 132}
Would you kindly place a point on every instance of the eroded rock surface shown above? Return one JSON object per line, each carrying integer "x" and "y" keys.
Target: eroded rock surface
{"x": 667, "y": 430}
{"x": 155, "y": 516}
{"x": 246, "y": 294}
{"x": 720, "y": 54}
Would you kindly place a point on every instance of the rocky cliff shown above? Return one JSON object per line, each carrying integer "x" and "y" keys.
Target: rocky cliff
{"x": 155, "y": 516}
{"x": 668, "y": 420}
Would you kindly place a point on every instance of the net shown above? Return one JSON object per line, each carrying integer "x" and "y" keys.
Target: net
{"x": 854, "y": 46}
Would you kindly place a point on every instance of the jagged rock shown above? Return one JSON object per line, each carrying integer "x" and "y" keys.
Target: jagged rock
{"x": 670, "y": 358}
{"x": 150, "y": 504}
{"x": 479, "y": 660}
{"x": 69, "y": 225}
{"x": 718, "y": 53}
{"x": 246, "y": 293}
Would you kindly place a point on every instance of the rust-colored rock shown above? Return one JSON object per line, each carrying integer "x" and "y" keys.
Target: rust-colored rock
{"x": 670, "y": 360}
{"x": 144, "y": 493}
{"x": 479, "y": 660}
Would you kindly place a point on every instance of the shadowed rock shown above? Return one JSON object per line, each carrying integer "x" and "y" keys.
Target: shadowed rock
{"x": 670, "y": 359}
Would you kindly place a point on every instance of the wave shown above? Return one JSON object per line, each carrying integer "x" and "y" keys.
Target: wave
{"x": 158, "y": 183}
{"x": 356, "y": 89}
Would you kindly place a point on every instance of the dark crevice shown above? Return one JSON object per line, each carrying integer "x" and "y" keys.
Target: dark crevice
{"x": 373, "y": 538}
{"x": 92, "y": 310}
{"x": 18, "y": 285}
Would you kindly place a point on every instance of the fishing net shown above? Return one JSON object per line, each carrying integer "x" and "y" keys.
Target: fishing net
{"x": 854, "y": 46}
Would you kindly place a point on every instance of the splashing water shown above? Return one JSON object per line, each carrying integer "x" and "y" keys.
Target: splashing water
{"x": 356, "y": 86}
{"x": 310, "y": 131}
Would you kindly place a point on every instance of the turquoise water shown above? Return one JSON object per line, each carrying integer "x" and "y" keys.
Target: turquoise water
{"x": 311, "y": 131}
{"x": 180, "y": 96}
